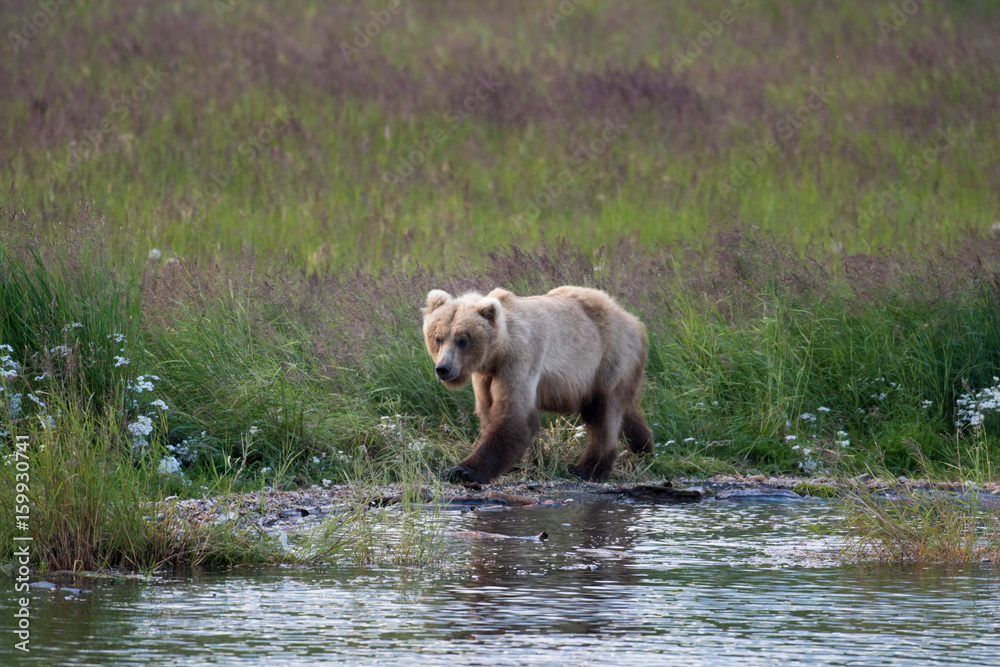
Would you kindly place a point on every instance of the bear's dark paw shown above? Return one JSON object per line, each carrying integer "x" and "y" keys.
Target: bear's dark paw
{"x": 462, "y": 475}
{"x": 589, "y": 474}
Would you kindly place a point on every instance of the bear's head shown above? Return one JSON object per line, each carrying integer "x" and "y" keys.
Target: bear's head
{"x": 461, "y": 333}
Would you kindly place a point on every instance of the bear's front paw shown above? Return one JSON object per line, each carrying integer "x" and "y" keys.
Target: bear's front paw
{"x": 463, "y": 475}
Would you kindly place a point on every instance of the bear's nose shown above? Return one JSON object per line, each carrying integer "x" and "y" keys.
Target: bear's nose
{"x": 443, "y": 371}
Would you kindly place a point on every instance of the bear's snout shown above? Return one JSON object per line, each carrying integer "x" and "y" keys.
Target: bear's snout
{"x": 445, "y": 372}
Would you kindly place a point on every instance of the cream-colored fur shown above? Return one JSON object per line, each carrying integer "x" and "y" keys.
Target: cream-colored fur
{"x": 573, "y": 350}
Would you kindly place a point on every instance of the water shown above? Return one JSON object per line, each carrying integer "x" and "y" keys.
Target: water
{"x": 712, "y": 583}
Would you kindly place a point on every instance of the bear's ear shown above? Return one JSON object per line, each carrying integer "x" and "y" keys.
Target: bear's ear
{"x": 435, "y": 299}
{"x": 490, "y": 308}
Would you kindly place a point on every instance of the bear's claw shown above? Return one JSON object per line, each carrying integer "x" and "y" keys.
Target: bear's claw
{"x": 462, "y": 475}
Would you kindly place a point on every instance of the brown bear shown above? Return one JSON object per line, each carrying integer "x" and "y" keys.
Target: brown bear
{"x": 574, "y": 350}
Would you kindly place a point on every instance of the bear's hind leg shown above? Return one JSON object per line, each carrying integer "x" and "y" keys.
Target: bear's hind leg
{"x": 636, "y": 432}
{"x": 602, "y": 419}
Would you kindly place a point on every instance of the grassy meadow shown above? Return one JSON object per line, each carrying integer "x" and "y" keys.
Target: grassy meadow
{"x": 220, "y": 221}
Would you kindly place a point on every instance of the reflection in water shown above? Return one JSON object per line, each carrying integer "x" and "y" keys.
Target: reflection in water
{"x": 713, "y": 583}
{"x": 565, "y": 585}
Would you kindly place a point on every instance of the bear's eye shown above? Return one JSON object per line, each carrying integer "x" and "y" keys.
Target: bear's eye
{"x": 462, "y": 342}
{"x": 437, "y": 341}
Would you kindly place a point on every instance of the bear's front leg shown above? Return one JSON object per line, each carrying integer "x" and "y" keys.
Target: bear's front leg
{"x": 506, "y": 435}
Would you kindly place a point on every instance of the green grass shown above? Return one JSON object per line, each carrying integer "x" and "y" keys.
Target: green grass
{"x": 956, "y": 524}
{"x": 316, "y": 192}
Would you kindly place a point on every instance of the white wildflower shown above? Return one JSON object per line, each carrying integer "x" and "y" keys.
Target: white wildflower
{"x": 326, "y": 483}
{"x": 688, "y": 439}
{"x": 316, "y": 460}
{"x": 141, "y": 384}
{"x": 154, "y": 253}
{"x": 807, "y": 417}
{"x": 976, "y": 405}
{"x": 168, "y": 466}
{"x": 842, "y": 443}
{"x": 158, "y": 403}
{"x": 822, "y": 409}
{"x": 142, "y": 426}
{"x": 118, "y": 338}
{"x": 253, "y": 430}
{"x": 121, "y": 361}
{"x": 15, "y": 406}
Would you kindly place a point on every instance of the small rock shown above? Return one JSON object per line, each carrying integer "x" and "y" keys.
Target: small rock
{"x": 816, "y": 490}
{"x": 227, "y": 517}
{"x": 863, "y": 478}
{"x": 281, "y": 536}
{"x": 293, "y": 513}
{"x": 511, "y": 499}
{"x": 43, "y": 584}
